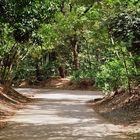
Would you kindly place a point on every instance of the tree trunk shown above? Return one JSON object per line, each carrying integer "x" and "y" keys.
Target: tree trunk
{"x": 61, "y": 70}
{"x": 74, "y": 47}
{"x": 127, "y": 73}
{"x": 37, "y": 71}
{"x": 62, "y": 6}
{"x": 75, "y": 58}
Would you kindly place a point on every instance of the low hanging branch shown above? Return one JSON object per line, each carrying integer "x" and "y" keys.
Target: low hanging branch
{"x": 86, "y": 11}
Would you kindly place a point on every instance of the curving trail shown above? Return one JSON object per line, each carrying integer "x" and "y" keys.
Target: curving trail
{"x": 60, "y": 115}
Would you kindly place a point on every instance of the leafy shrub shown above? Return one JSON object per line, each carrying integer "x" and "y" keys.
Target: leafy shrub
{"x": 113, "y": 75}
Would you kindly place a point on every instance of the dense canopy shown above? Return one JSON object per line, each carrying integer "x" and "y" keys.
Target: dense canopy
{"x": 97, "y": 40}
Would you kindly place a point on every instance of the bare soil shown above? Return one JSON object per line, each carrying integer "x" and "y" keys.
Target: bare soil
{"x": 60, "y": 83}
{"x": 119, "y": 107}
{"x": 10, "y": 102}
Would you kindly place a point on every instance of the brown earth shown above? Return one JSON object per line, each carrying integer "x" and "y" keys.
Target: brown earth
{"x": 60, "y": 83}
{"x": 119, "y": 107}
{"x": 10, "y": 102}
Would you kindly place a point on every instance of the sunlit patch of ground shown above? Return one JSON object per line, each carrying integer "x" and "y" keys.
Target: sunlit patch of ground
{"x": 60, "y": 83}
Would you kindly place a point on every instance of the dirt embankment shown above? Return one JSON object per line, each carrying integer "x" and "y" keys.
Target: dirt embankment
{"x": 10, "y": 102}
{"x": 119, "y": 107}
{"x": 60, "y": 83}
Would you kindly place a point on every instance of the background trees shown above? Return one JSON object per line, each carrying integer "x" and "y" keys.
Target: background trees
{"x": 20, "y": 22}
{"x": 96, "y": 40}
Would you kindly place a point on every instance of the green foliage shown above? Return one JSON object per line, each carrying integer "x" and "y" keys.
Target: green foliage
{"x": 125, "y": 26}
{"x": 24, "y": 71}
{"x": 111, "y": 62}
{"x": 111, "y": 76}
{"x": 20, "y": 22}
{"x": 93, "y": 39}
{"x": 80, "y": 75}
{"x": 25, "y": 17}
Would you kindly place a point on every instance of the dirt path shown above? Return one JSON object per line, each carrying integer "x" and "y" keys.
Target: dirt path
{"x": 60, "y": 115}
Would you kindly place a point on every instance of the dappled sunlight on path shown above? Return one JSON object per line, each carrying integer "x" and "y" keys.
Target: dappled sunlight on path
{"x": 60, "y": 115}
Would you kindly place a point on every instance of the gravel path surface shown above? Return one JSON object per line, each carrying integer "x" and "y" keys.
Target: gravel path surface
{"x": 60, "y": 115}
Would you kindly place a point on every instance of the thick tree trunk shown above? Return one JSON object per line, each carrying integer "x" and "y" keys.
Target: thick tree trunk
{"x": 74, "y": 47}
{"x": 61, "y": 70}
{"x": 52, "y": 56}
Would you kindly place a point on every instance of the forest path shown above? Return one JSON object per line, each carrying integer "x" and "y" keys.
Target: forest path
{"x": 60, "y": 115}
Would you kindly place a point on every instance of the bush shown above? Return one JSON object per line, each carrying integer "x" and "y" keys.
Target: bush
{"x": 112, "y": 76}
{"x": 82, "y": 74}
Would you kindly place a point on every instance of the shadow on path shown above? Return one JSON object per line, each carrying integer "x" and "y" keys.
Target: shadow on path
{"x": 60, "y": 115}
